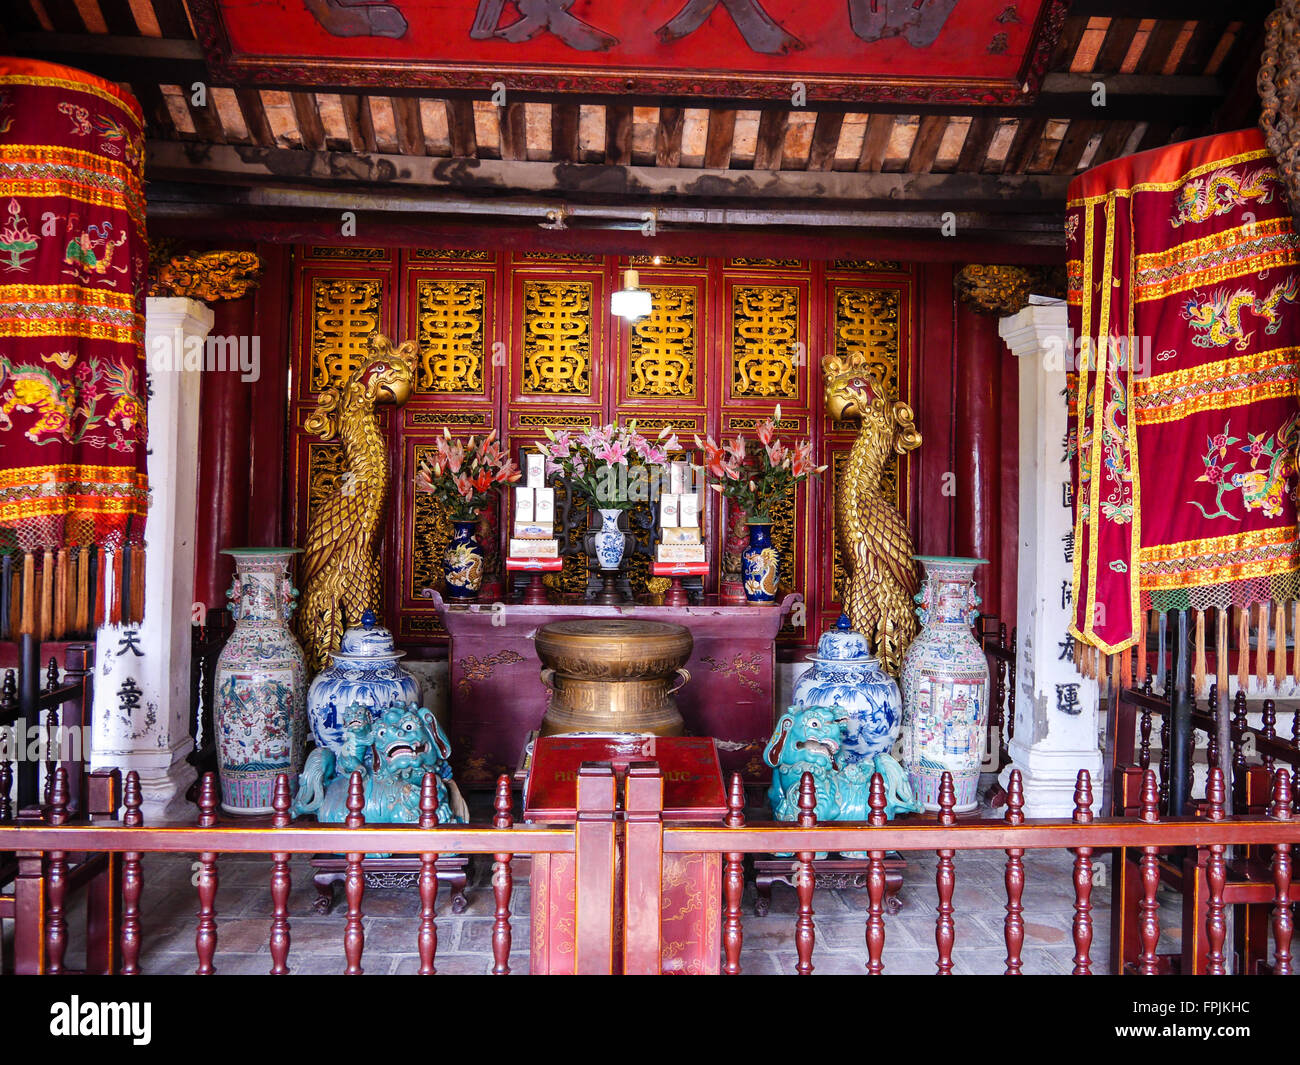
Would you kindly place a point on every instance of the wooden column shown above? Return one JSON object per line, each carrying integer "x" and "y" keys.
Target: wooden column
{"x": 977, "y": 504}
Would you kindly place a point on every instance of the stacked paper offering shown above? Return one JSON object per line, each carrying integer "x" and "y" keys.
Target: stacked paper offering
{"x": 679, "y": 528}
{"x": 534, "y": 526}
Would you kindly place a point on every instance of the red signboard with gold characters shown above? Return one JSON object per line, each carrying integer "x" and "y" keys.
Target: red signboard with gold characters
{"x": 978, "y": 51}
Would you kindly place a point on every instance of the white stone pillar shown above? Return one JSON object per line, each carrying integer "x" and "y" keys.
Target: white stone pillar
{"x": 1056, "y": 725}
{"x": 142, "y": 674}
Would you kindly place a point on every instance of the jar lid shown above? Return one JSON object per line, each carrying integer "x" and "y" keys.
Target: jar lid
{"x": 842, "y": 643}
{"x": 370, "y": 640}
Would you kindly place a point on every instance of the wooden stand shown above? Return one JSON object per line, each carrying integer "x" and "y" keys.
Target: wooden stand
{"x": 398, "y": 872}
{"x": 834, "y": 873}
{"x": 535, "y": 594}
{"x": 675, "y": 571}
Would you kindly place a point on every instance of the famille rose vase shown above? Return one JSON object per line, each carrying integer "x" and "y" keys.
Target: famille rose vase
{"x": 945, "y": 680}
{"x": 846, "y": 677}
{"x": 609, "y": 539}
{"x": 759, "y": 564}
{"x": 260, "y": 715}
{"x": 463, "y": 562}
{"x": 362, "y": 673}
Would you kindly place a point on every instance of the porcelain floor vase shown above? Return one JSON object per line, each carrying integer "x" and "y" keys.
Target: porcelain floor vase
{"x": 945, "y": 682}
{"x": 260, "y": 685}
{"x": 609, "y": 539}
{"x": 363, "y": 672}
{"x": 760, "y": 564}
{"x": 463, "y": 562}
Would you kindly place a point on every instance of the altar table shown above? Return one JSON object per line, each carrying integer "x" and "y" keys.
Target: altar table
{"x": 497, "y": 696}
{"x": 691, "y": 925}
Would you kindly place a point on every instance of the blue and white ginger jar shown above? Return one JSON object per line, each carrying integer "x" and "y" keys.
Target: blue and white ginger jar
{"x": 363, "y": 671}
{"x": 845, "y": 675}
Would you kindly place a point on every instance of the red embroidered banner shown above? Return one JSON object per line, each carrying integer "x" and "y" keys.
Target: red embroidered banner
{"x": 1183, "y": 412}
{"x": 72, "y": 268}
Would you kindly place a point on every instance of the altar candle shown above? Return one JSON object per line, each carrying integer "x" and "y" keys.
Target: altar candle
{"x": 523, "y": 504}
{"x": 544, "y": 510}
{"x": 668, "y": 510}
{"x": 536, "y": 470}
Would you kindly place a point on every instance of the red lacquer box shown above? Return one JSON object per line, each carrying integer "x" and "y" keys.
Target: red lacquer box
{"x": 691, "y": 928}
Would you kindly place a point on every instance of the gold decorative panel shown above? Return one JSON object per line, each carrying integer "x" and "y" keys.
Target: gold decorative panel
{"x": 448, "y": 417}
{"x": 559, "y": 417}
{"x": 665, "y": 260}
{"x": 557, "y": 337}
{"x": 451, "y": 255}
{"x": 431, "y": 532}
{"x": 450, "y": 330}
{"x": 326, "y": 464}
{"x": 661, "y": 360}
{"x": 686, "y": 423}
{"x": 878, "y": 265}
{"x": 345, "y": 313}
{"x": 765, "y": 342}
{"x": 754, "y": 263}
{"x": 559, "y": 257}
{"x": 866, "y": 321}
{"x": 366, "y": 255}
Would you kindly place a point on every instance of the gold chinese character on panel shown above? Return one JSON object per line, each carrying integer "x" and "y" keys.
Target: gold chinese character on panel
{"x": 557, "y": 337}
{"x": 450, "y": 329}
{"x": 765, "y": 338}
{"x": 662, "y": 360}
{"x": 866, "y": 320}
{"x": 344, "y": 314}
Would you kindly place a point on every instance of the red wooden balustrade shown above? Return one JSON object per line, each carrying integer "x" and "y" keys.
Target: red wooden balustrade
{"x": 648, "y": 841}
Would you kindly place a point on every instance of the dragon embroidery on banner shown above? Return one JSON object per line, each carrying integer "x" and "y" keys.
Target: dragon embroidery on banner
{"x": 1217, "y": 319}
{"x": 1222, "y": 190}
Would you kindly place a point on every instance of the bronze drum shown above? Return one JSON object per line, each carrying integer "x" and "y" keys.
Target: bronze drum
{"x": 613, "y": 675}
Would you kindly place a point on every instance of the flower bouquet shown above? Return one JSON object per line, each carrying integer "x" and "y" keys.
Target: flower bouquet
{"x": 463, "y": 478}
{"x": 754, "y": 480}
{"x": 611, "y": 467}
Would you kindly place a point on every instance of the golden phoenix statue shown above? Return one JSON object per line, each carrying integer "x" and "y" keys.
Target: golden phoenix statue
{"x": 341, "y": 575}
{"x": 875, "y": 546}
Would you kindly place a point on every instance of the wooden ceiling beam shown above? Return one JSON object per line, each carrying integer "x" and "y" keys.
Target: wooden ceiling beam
{"x": 20, "y": 17}
{"x": 875, "y": 142}
{"x": 1159, "y": 44}
{"x": 618, "y": 134}
{"x": 1118, "y": 41}
{"x": 360, "y": 123}
{"x": 172, "y": 19}
{"x": 1170, "y": 9}
{"x": 925, "y": 146}
{"x": 825, "y": 141}
{"x": 460, "y": 129}
{"x": 975, "y": 148}
{"x": 1073, "y": 145}
{"x": 250, "y": 106}
{"x": 564, "y": 132}
{"x": 307, "y": 114}
{"x": 1114, "y": 136}
{"x": 717, "y": 145}
{"x": 1024, "y": 145}
{"x": 64, "y": 16}
{"x": 514, "y": 130}
{"x": 118, "y": 17}
{"x": 668, "y": 137}
{"x": 771, "y": 139}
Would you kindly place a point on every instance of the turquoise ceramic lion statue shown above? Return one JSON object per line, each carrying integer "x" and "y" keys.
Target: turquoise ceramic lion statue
{"x": 393, "y": 753}
{"x": 807, "y": 740}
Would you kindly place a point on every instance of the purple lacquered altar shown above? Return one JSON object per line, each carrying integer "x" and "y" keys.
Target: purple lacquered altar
{"x": 497, "y": 696}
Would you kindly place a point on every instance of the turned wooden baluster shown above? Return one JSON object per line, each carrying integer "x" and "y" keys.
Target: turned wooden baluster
{"x": 1149, "y": 868}
{"x": 1239, "y": 725}
{"x": 1282, "y": 926}
{"x": 56, "y": 926}
{"x": 805, "y": 879}
{"x": 1083, "y": 879}
{"x": 6, "y": 786}
{"x": 51, "y": 752}
{"x": 1166, "y": 753}
{"x": 733, "y": 882}
{"x": 427, "y": 940}
{"x": 280, "y": 881}
{"x": 1013, "y": 926}
{"x": 205, "y": 935}
{"x": 1269, "y": 730}
{"x": 1010, "y": 715}
{"x": 876, "y": 882}
{"x": 354, "y": 883}
{"x": 1144, "y": 750}
{"x": 502, "y": 883}
{"x": 1216, "y": 925}
{"x": 132, "y": 879}
{"x": 945, "y": 879}
{"x": 1295, "y": 716}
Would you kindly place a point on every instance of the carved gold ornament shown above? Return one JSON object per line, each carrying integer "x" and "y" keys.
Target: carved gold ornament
{"x": 1279, "y": 73}
{"x": 341, "y": 573}
{"x": 662, "y": 357}
{"x": 765, "y": 342}
{"x": 866, "y": 322}
{"x": 450, "y": 329}
{"x": 1000, "y": 290}
{"x": 876, "y": 548}
{"x": 210, "y": 276}
{"x": 344, "y": 316}
{"x": 557, "y": 337}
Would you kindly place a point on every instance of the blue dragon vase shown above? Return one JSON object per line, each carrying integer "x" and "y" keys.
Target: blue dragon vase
{"x": 463, "y": 562}
{"x": 260, "y": 684}
{"x": 845, "y": 676}
{"x": 609, "y": 539}
{"x": 363, "y": 673}
{"x": 945, "y": 680}
{"x": 760, "y": 564}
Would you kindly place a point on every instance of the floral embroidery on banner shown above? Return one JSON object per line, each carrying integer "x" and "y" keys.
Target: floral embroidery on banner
{"x": 1261, "y": 487}
{"x": 17, "y": 241}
